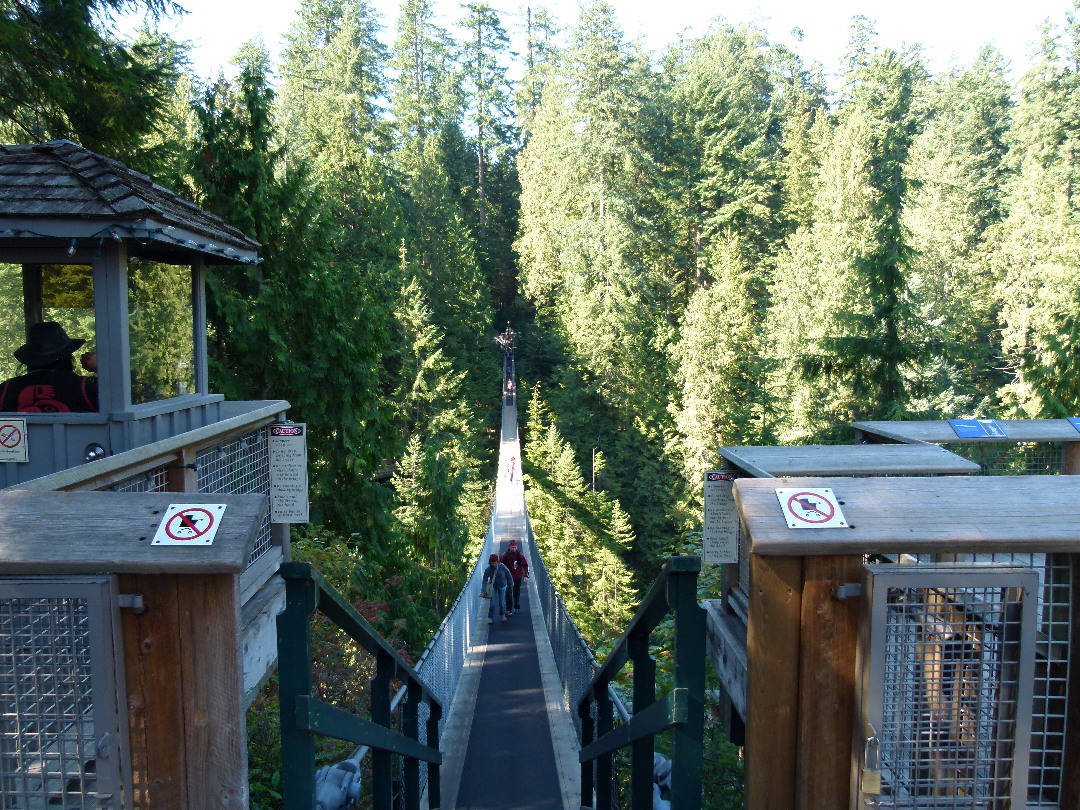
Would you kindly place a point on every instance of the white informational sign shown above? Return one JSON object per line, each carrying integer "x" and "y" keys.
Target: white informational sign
{"x": 288, "y": 473}
{"x": 13, "y": 440}
{"x": 811, "y": 508}
{"x": 720, "y": 530}
{"x": 189, "y": 524}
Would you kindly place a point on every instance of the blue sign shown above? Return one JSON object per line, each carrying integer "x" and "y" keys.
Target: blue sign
{"x": 978, "y": 429}
{"x": 1075, "y": 421}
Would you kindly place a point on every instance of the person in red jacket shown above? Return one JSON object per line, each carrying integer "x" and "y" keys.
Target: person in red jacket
{"x": 519, "y": 570}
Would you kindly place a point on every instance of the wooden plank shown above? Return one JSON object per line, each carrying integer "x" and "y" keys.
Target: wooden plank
{"x": 827, "y": 682}
{"x": 958, "y": 514}
{"x": 210, "y": 679}
{"x": 850, "y": 459}
{"x": 89, "y": 532}
{"x": 773, "y": 681}
{"x": 152, "y": 665}
{"x": 1019, "y": 430}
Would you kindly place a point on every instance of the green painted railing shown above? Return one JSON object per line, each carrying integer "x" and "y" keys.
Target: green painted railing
{"x": 303, "y": 716}
{"x": 682, "y": 710}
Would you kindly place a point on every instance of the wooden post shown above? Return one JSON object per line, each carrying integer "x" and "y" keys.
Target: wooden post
{"x": 1071, "y": 460}
{"x": 185, "y": 699}
{"x": 773, "y": 643}
{"x": 826, "y": 682}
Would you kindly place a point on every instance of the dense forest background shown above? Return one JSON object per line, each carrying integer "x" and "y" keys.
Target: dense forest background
{"x": 701, "y": 247}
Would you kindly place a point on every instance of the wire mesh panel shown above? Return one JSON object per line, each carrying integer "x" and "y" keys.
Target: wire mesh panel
{"x": 155, "y": 480}
{"x": 947, "y": 657}
{"x": 1050, "y": 687}
{"x": 1013, "y": 458}
{"x": 240, "y": 467}
{"x": 62, "y": 742}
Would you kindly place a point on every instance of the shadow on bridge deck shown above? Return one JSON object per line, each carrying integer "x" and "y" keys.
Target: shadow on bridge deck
{"x": 509, "y": 740}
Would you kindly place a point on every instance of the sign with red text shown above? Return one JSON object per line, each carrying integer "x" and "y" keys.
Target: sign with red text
{"x": 288, "y": 473}
{"x": 720, "y": 529}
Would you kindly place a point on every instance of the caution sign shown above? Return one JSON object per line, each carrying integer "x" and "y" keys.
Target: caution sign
{"x": 189, "y": 525}
{"x": 720, "y": 528}
{"x": 13, "y": 440}
{"x": 811, "y": 508}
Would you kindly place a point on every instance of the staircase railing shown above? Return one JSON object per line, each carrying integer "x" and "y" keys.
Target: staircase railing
{"x": 681, "y": 710}
{"x": 303, "y": 716}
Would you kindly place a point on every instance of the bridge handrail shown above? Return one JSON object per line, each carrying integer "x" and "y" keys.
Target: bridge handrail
{"x": 303, "y": 716}
{"x": 681, "y": 710}
{"x": 574, "y": 659}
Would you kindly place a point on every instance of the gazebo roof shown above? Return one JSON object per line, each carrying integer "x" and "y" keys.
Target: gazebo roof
{"x": 59, "y": 191}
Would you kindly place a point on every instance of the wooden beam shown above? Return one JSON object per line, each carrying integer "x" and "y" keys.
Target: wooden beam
{"x": 826, "y": 682}
{"x": 773, "y": 643}
{"x": 1071, "y": 460}
{"x": 152, "y": 665}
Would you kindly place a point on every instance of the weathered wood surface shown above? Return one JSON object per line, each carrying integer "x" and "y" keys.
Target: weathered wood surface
{"x": 772, "y": 690}
{"x": 1019, "y": 430}
{"x": 849, "y": 459}
{"x": 96, "y": 532}
{"x": 185, "y": 702}
{"x": 725, "y": 645}
{"x": 1036, "y": 513}
{"x": 826, "y": 682}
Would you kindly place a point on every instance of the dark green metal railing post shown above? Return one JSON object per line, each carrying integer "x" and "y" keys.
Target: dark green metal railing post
{"x": 588, "y": 735}
{"x": 687, "y": 746}
{"x": 294, "y": 680}
{"x": 303, "y": 716}
{"x": 382, "y": 761}
{"x": 605, "y": 765}
{"x": 681, "y": 710}
{"x": 434, "y": 786}
{"x": 641, "y": 753}
{"x": 410, "y": 726}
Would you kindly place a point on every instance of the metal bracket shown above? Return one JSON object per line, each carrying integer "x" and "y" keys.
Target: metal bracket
{"x": 847, "y": 591}
{"x": 133, "y": 601}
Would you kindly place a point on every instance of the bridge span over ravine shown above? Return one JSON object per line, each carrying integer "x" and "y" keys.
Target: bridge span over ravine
{"x": 509, "y": 740}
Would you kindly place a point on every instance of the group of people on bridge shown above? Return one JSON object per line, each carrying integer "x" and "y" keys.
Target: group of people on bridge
{"x": 502, "y": 582}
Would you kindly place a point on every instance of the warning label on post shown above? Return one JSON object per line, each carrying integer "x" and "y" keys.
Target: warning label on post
{"x": 720, "y": 529}
{"x": 193, "y": 524}
{"x": 13, "y": 440}
{"x": 288, "y": 473}
{"x": 811, "y": 508}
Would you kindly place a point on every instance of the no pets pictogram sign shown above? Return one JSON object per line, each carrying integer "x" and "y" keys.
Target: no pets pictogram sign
{"x": 811, "y": 508}
{"x": 189, "y": 525}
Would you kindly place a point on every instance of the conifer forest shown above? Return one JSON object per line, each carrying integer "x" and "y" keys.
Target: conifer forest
{"x": 705, "y": 246}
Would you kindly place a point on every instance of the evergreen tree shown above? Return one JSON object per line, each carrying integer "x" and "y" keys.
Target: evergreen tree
{"x": 64, "y": 74}
{"x": 292, "y": 326}
{"x": 1036, "y": 249}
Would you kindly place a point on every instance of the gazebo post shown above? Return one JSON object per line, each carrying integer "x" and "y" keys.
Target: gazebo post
{"x": 111, "y": 315}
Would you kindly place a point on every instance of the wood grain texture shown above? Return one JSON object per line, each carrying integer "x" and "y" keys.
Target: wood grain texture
{"x": 772, "y": 700}
{"x": 1019, "y": 430}
{"x": 850, "y": 459}
{"x": 93, "y": 532}
{"x": 826, "y": 682}
{"x": 893, "y": 515}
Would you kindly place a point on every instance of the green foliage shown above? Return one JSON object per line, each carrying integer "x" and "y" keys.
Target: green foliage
{"x": 63, "y": 74}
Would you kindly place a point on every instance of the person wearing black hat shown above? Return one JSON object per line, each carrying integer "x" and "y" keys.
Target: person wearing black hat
{"x": 50, "y": 384}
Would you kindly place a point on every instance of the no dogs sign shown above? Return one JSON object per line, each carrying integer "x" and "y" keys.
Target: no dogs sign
{"x": 811, "y": 508}
{"x": 189, "y": 525}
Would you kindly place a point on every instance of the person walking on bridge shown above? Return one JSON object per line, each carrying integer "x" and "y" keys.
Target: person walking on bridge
{"x": 518, "y": 564}
{"x": 499, "y": 577}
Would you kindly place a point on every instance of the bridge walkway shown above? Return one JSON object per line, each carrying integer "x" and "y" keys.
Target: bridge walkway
{"x": 509, "y": 740}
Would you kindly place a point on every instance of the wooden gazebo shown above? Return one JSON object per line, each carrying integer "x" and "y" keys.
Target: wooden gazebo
{"x": 63, "y": 206}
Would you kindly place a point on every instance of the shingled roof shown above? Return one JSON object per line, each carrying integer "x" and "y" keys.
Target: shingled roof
{"x": 59, "y": 190}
